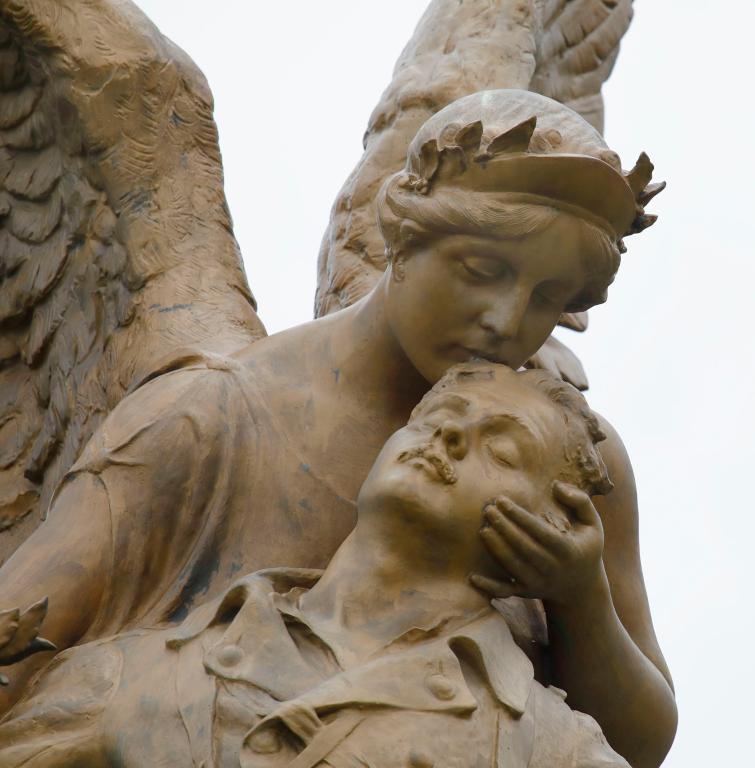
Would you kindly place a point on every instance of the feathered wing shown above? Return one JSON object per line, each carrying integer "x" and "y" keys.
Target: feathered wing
{"x": 117, "y": 257}
{"x": 578, "y": 46}
{"x": 564, "y": 49}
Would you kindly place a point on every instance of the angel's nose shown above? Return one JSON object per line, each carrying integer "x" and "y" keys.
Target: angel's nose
{"x": 503, "y": 318}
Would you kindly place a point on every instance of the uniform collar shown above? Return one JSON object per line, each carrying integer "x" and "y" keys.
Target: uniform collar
{"x": 258, "y": 649}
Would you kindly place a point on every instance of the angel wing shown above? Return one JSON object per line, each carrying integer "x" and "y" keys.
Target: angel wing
{"x": 117, "y": 256}
{"x": 564, "y": 49}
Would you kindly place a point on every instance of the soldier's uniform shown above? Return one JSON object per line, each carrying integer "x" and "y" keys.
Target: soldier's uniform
{"x": 246, "y": 681}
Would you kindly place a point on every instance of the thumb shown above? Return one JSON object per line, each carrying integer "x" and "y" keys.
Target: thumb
{"x": 578, "y": 502}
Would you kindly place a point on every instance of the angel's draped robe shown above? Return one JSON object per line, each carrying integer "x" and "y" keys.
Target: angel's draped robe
{"x": 200, "y": 483}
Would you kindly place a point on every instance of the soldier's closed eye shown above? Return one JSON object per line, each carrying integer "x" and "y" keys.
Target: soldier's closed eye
{"x": 503, "y": 449}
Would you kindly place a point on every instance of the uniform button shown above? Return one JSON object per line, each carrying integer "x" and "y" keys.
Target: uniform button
{"x": 441, "y": 687}
{"x": 230, "y": 655}
{"x": 420, "y": 760}
{"x": 265, "y": 741}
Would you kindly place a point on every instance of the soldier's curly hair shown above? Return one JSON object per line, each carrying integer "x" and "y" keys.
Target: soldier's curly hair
{"x": 582, "y": 434}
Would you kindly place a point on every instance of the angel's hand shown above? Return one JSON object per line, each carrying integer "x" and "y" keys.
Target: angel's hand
{"x": 19, "y": 635}
{"x": 537, "y": 560}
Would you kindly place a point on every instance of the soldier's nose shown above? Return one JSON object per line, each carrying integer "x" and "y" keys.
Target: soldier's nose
{"x": 454, "y": 439}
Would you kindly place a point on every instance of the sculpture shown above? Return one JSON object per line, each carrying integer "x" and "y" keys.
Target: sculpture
{"x": 390, "y": 657}
{"x": 131, "y": 221}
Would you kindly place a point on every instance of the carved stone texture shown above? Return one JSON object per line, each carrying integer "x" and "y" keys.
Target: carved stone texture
{"x": 564, "y": 49}
{"x": 391, "y": 657}
{"x": 116, "y": 250}
{"x": 127, "y": 331}
{"x": 117, "y": 258}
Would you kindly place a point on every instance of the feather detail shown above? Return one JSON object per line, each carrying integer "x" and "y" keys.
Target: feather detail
{"x": 457, "y": 49}
{"x": 577, "y": 51}
{"x": 110, "y": 180}
{"x": 564, "y": 49}
{"x": 33, "y": 175}
{"x": 16, "y": 106}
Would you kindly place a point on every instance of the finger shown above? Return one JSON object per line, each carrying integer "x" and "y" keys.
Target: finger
{"x": 503, "y": 574}
{"x": 494, "y": 587}
{"x": 512, "y": 562}
{"x": 578, "y": 501}
{"x": 520, "y": 541}
{"x": 541, "y": 531}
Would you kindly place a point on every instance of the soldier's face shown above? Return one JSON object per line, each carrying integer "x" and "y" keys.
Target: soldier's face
{"x": 462, "y": 448}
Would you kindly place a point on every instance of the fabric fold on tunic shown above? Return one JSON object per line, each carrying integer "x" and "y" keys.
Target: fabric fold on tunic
{"x": 202, "y": 485}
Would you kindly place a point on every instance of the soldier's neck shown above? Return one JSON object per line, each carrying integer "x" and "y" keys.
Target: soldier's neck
{"x": 372, "y": 593}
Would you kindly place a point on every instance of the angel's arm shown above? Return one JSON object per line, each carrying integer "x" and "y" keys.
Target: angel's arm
{"x": 66, "y": 559}
{"x": 128, "y": 518}
{"x": 603, "y": 647}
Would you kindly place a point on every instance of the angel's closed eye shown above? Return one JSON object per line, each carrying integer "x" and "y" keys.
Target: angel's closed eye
{"x": 483, "y": 267}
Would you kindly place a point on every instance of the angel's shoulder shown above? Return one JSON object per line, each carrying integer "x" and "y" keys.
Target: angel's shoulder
{"x": 195, "y": 386}
{"x": 175, "y": 411}
{"x": 619, "y": 509}
{"x": 615, "y": 454}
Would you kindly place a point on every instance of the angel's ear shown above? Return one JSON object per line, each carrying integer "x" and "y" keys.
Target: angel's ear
{"x": 398, "y": 267}
{"x": 408, "y": 238}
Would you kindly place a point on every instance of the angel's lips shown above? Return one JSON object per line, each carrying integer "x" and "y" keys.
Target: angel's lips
{"x": 481, "y": 354}
{"x": 470, "y": 354}
{"x": 441, "y": 467}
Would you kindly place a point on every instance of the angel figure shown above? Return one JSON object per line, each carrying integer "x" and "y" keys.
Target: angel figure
{"x": 171, "y": 445}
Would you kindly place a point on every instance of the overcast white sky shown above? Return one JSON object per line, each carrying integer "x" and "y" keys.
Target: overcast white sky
{"x": 670, "y": 356}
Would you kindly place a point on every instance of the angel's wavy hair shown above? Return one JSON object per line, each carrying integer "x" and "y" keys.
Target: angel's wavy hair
{"x": 409, "y": 218}
{"x": 583, "y": 463}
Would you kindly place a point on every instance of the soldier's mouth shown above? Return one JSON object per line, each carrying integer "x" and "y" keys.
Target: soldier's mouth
{"x": 438, "y": 465}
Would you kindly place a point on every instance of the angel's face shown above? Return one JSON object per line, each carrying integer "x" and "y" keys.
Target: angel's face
{"x": 462, "y": 297}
